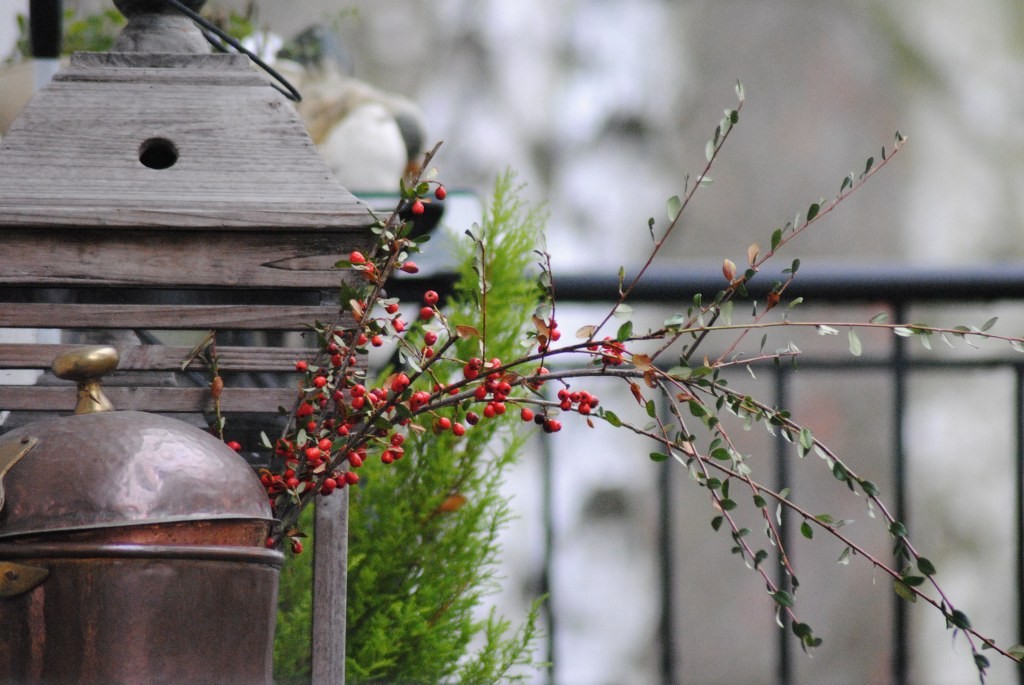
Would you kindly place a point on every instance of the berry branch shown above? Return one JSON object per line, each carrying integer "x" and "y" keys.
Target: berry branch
{"x": 446, "y": 383}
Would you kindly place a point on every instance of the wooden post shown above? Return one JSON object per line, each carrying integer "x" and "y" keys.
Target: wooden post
{"x": 330, "y": 588}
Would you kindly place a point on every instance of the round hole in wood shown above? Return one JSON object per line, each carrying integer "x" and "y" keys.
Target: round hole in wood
{"x": 158, "y": 153}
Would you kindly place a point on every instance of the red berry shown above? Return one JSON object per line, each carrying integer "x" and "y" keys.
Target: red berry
{"x": 319, "y": 382}
{"x": 328, "y": 486}
{"x": 351, "y": 477}
{"x": 458, "y": 429}
{"x": 296, "y": 547}
{"x": 391, "y": 307}
{"x": 387, "y": 457}
{"x": 444, "y": 423}
{"x": 472, "y": 418}
{"x": 399, "y": 325}
{"x": 325, "y": 444}
{"x": 234, "y": 444}
{"x": 526, "y": 414}
{"x": 552, "y": 426}
{"x": 426, "y": 313}
{"x": 376, "y": 341}
{"x": 418, "y": 207}
{"x": 410, "y": 268}
{"x": 356, "y": 257}
{"x": 399, "y": 383}
{"x": 440, "y": 193}
{"x": 430, "y": 337}
{"x": 431, "y": 297}
{"x": 301, "y": 365}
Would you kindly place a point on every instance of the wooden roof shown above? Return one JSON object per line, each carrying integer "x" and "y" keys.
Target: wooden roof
{"x": 241, "y": 156}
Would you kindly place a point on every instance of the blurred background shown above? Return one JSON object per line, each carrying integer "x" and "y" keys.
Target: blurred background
{"x": 602, "y": 107}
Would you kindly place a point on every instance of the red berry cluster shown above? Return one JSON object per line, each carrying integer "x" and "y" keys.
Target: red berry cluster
{"x": 609, "y": 352}
{"x": 341, "y": 421}
{"x": 582, "y": 402}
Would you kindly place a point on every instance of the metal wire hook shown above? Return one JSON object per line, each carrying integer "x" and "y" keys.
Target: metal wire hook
{"x": 288, "y": 90}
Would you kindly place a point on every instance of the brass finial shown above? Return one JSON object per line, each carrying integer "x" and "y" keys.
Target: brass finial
{"x": 86, "y": 366}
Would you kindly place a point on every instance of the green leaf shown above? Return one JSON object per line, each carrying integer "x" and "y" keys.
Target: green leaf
{"x": 959, "y": 619}
{"x": 855, "y": 347}
{"x": 716, "y": 522}
{"x": 844, "y": 558}
{"x": 1017, "y": 345}
{"x": 776, "y": 238}
{"x": 652, "y": 409}
{"x": 925, "y": 566}
{"x": 840, "y": 472}
{"x": 783, "y": 599}
{"x": 867, "y": 166}
{"x": 806, "y": 530}
{"x": 760, "y": 502}
{"x": 625, "y": 330}
{"x": 812, "y": 211}
{"x": 806, "y": 438}
{"x": 1017, "y": 652}
{"x": 727, "y": 504}
{"x": 870, "y": 489}
{"x": 904, "y": 591}
{"x": 721, "y": 454}
{"x": 989, "y": 324}
{"x": 981, "y": 661}
{"x": 913, "y": 581}
{"x": 658, "y": 456}
{"x": 880, "y": 317}
{"x": 903, "y": 331}
{"x": 739, "y": 91}
{"x": 680, "y": 372}
{"x": 709, "y": 150}
{"x": 674, "y": 207}
{"x": 611, "y": 418}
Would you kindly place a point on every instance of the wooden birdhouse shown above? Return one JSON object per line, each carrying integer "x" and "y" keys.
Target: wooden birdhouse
{"x": 161, "y": 188}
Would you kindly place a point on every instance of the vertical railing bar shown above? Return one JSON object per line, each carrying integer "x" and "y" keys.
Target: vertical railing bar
{"x": 667, "y": 571}
{"x": 784, "y": 664}
{"x": 901, "y": 655}
{"x": 547, "y": 496}
{"x": 1018, "y": 404}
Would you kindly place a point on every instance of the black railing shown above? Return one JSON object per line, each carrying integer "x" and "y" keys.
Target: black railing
{"x": 897, "y": 288}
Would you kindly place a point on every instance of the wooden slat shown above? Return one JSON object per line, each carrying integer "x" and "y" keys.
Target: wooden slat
{"x": 330, "y": 587}
{"x": 62, "y": 399}
{"x": 173, "y": 258}
{"x": 167, "y": 317}
{"x": 160, "y": 357}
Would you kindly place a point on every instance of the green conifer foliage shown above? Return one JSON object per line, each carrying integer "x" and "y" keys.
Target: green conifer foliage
{"x": 423, "y": 531}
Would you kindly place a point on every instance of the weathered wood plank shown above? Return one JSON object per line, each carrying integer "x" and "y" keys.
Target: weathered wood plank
{"x": 168, "y": 317}
{"x": 240, "y": 155}
{"x": 330, "y": 586}
{"x": 218, "y": 259}
{"x": 171, "y": 400}
{"x": 161, "y": 357}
